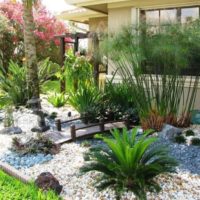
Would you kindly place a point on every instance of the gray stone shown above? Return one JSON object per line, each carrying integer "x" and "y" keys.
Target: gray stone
{"x": 11, "y": 130}
{"x": 169, "y": 132}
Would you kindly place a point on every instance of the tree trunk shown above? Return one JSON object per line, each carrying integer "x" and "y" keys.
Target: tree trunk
{"x": 30, "y": 52}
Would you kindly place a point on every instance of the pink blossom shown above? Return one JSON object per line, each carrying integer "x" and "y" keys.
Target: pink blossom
{"x": 46, "y": 25}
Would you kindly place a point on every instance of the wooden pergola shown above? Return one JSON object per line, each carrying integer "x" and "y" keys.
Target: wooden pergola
{"x": 75, "y": 37}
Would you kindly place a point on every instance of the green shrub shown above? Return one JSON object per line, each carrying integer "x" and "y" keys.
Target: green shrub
{"x": 180, "y": 139}
{"x": 57, "y": 99}
{"x": 86, "y": 100}
{"x": 77, "y": 71}
{"x": 13, "y": 85}
{"x": 195, "y": 141}
{"x": 119, "y": 102}
{"x": 47, "y": 70}
{"x": 50, "y": 86}
{"x": 129, "y": 163}
{"x": 7, "y": 46}
{"x": 189, "y": 133}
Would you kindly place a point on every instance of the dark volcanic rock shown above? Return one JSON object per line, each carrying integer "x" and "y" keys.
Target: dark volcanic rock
{"x": 46, "y": 181}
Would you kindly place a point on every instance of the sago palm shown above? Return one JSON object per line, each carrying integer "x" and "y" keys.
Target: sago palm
{"x": 129, "y": 163}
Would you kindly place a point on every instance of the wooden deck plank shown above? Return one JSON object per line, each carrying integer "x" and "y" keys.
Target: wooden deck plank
{"x": 63, "y": 137}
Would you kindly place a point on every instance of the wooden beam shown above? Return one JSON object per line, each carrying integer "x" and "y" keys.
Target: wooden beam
{"x": 96, "y": 10}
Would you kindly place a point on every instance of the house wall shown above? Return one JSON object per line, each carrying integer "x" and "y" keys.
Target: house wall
{"x": 99, "y": 24}
{"x": 117, "y": 18}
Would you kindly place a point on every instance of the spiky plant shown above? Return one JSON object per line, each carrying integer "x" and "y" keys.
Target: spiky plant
{"x": 86, "y": 100}
{"x": 129, "y": 163}
{"x": 153, "y": 121}
{"x": 57, "y": 99}
{"x": 152, "y": 65}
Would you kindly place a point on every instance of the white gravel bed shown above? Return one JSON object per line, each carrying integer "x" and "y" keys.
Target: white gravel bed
{"x": 65, "y": 166}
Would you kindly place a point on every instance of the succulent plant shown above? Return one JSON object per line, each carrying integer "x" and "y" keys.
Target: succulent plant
{"x": 195, "y": 141}
{"x": 41, "y": 144}
{"x": 180, "y": 139}
{"x": 189, "y": 133}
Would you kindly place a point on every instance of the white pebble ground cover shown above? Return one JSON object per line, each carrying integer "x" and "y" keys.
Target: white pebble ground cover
{"x": 185, "y": 185}
{"x": 65, "y": 166}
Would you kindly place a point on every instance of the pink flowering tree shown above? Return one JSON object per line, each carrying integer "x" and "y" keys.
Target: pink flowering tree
{"x": 46, "y": 27}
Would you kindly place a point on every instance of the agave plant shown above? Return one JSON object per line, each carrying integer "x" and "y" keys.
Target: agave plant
{"x": 129, "y": 163}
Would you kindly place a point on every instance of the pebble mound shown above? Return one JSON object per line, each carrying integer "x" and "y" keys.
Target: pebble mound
{"x": 25, "y": 161}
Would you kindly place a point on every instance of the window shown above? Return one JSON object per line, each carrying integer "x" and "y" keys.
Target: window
{"x": 152, "y": 17}
{"x": 166, "y": 16}
{"x": 158, "y": 19}
{"x": 189, "y": 14}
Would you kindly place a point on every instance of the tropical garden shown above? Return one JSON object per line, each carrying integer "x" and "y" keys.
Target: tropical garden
{"x": 44, "y": 131}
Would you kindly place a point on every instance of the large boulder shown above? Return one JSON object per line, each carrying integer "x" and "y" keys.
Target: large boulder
{"x": 169, "y": 132}
{"x": 46, "y": 181}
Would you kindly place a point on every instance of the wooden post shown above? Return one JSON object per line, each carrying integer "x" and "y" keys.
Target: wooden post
{"x": 101, "y": 126}
{"x": 73, "y": 132}
{"x": 62, "y": 54}
{"x": 58, "y": 125}
{"x": 76, "y": 43}
{"x": 96, "y": 61}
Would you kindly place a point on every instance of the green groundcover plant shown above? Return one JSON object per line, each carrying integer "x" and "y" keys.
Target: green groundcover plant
{"x": 129, "y": 163}
{"x": 13, "y": 189}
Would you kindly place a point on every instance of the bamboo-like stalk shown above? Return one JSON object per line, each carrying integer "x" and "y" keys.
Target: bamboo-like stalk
{"x": 161, "y": 92}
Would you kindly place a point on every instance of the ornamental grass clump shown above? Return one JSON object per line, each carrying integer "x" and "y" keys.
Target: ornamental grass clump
{"x": 129, "y": 163}
{"x": 153, "y": 66}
